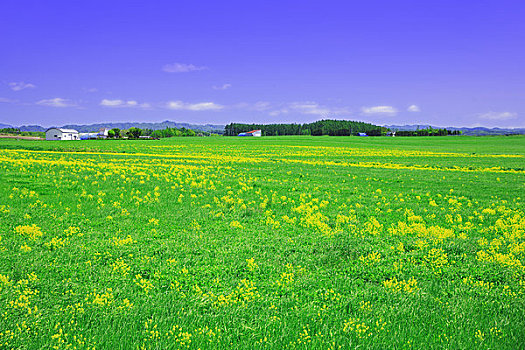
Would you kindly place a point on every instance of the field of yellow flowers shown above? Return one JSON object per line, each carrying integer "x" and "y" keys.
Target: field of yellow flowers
{"x": 283, "y": 242}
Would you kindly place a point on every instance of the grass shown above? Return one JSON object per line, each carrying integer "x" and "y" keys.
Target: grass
{"x": 277, "y": 242}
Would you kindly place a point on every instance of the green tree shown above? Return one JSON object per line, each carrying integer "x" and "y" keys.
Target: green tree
{"x": 134, "y": 133}
{"x": 188, "y": 132}
{"x": 116, "y": 132}
{"x": 157, "y": 134}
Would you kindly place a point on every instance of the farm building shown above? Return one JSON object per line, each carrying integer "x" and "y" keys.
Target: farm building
{"x": 61, "y": 134}
{"x": 103, "y": 133}
{"x": 88, "y": 135}
{"x": 256, "y": 133}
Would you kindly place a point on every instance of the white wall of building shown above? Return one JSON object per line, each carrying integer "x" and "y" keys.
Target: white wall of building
{"x": 55, "y": 134}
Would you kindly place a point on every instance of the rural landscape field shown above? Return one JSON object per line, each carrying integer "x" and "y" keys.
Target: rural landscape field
{"x": 276, "y": 242}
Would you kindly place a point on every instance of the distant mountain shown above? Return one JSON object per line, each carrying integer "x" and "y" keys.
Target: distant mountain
{"x": 32, "y": 128}
{"x": 478, "y": 131}
{"x": 153, "y": 126}
{"x": 23, "y": 127}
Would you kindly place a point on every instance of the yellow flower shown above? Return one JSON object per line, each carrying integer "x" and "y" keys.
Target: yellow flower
{"x": 236, "y": 224}
{"x": 32, "y": 232}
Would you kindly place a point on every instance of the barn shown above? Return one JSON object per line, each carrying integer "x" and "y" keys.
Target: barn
{"x": 53, "y": 134}
{"x": 256, "y": 133}
{"x": 88, "y": 135}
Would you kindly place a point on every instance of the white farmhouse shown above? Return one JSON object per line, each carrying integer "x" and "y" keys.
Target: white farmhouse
{"x": 61, "y": 134}
{"x": 103, "y": 133}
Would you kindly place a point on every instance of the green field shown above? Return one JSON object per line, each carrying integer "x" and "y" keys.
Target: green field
{"x": 274, "y": 242}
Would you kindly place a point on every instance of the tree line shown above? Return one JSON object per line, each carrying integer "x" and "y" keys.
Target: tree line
{"x": 16, "y": 131}
{"x": 428, "y": 132}
{"x": 318, "y": 128}
{"x": 135, "y": 133}
{"x": 331, "y": 128}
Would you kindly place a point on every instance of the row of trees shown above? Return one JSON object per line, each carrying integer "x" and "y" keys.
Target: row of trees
{"x": 428, "y": 132}
{"x": 174, "y": 132}
{"x": 10, "y": 131}
{"x": 332, "y": 128}
{"x": 344, "y": 128}
{"x": 135, "y": 133}
{"x": 318, "y": 128}
{"x": 16, "y": 131}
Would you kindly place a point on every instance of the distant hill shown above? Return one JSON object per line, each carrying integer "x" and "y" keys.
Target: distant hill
{"x": 32, "y": 128}
{"x": 153, "y": 126}
{"x": 478, "y": 131}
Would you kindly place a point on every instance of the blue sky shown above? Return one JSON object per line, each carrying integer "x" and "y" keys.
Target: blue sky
{"x": 446, "y": 63}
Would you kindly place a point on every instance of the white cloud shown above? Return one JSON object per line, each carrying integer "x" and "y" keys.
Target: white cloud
{"x": 202, "y": 106}
{"x": 21, "y": 86}
{"x": 315, "y": 109}
{"x": 498, "y": 116}
{"x": 312, "y": 108}
{"x": 5, "y": 100}
{"x": 111, "y": 103}
{"x": 222, "y": 87}
{"x": 278, "y": 112}
{"x": 257, "y": 106}
{"x": 122, "y": 103}
{"x": 379, "y": 110}
{"x": 309, "y": 108}
{"x": 261, "y": 106}
{"x": 182, "y": 68}
{"x": 56, "y": 102}
{"x": 90, "y": 90}
{"x": 413, "y": 108}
